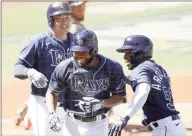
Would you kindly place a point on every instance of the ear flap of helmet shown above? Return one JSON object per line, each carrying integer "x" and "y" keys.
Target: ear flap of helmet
{"x": 94, "y": 51}
{"x": 51, "y": 22}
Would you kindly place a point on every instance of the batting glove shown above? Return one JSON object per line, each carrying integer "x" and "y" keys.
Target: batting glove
{"x": 115, "y": 129}
{"x": 37, "y": 78}
{"x": 90, "y": 104}
{"x": 54, "y": 122}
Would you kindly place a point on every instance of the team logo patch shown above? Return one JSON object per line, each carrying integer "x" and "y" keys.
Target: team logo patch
{"x": 64, "y": 6}
{"x": 79, "y": 40}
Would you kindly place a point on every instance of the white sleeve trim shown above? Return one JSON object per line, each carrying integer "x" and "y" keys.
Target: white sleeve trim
{"x": 139, "y": 98}
{"x": 118, "y": 91}
{"x": 53, "y": 90}
{"x": 25, "y": 60}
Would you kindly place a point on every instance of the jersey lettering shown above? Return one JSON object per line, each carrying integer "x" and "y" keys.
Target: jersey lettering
{"x": 168, "y": 97}
{"x": 158, "y": 77}
{"x": 67, "y": 54}
{"x": 163, "y": 86}
{"x": 156, "y": 86}
{"x": 89, "y": 87}
{"x": 57, "y": 56}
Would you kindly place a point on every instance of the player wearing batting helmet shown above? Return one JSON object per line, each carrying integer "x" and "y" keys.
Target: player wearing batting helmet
{"x": 152, "y": 91}
{"x": 39, "y": 58}
{"x": 87, "y": 79}
{"x": 78, "y": 10}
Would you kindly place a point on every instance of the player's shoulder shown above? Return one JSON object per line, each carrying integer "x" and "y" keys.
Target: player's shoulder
{"x": 147, "y": 67}
{"x": 65, "y": 63}
{"x": 62, "y": 68}
{"x": 38, "y": 38}
{"x": 110, "y": 62}
{"x": 76, "y": 27}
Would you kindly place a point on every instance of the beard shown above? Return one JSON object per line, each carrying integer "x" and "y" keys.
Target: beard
{"x": 79, "y": 18}
{"x": 130, "y": 66}
{"x": 85, "y": 63}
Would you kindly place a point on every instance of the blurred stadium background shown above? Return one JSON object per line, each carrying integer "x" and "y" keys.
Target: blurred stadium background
{"x": 168, "y": 24}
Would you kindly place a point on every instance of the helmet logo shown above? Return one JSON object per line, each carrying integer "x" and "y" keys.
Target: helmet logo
{"x": 79, "y": 40}
{"x": 64, "y": 6}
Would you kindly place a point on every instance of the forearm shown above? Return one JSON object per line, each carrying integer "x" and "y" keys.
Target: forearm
{"x": 114, "y": 100}
{"x": 20, "y": 71}
{"x": 51, "y": 100}
{"x": 138, "y": 99}
{"x": 136, "y": 104}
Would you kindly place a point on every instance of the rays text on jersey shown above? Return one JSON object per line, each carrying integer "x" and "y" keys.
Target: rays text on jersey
{"x": 89, "y": 87}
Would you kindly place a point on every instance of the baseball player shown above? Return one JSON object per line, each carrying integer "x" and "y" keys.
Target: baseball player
{"x": 78, "y": 9}
{"x": 152, "y": 91}
{"x": 39, "y": 58}
{"x": 87, "y": 79}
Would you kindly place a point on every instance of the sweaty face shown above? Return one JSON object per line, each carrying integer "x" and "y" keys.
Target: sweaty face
{"x": 82, "y": 57}
{"x": 62, "y": 23}
{"x": 79, "y": 11}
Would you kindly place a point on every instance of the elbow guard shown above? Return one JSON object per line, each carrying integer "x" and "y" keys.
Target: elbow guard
{"x": 20, "y": 72}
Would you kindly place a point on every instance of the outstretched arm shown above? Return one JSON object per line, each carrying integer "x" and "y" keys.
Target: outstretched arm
{"x": 141, "y": 93}
{"x": 139, "y": 98}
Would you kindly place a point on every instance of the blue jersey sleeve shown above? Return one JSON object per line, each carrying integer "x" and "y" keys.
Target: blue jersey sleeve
{"x": 57, "y": 82}
{"x": 139, "y": 75}
{"x": 118, "y": 81}
{"x": 27, "y": 55}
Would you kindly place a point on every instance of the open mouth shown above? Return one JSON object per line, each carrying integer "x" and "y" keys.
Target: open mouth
{"x": 64, "y": 26}
{"x": 81, "y": 60}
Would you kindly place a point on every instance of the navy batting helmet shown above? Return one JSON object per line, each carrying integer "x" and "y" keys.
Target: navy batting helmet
{"x": 140, "y": 47}
{"x": 86, "y": 40}
{"x": 57, "y": 8}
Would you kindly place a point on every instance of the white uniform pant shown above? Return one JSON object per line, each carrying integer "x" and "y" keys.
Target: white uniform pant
{"x": 168, "y": 127}
{"x": 74, "y": 127}
{"x": 38, "y": 113}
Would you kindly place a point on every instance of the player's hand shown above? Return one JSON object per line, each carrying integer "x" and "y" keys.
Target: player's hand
{"x": 116, "y": 128}
{"x": 54, "y": 122}
{"x": 90, "y": 104}
{"x": 37, "y": 78}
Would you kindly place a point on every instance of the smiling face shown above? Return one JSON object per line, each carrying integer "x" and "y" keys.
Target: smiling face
{"x": 62, "y": 23}
{"x": 82, "y": 57}
{"x": 127, "y": 58}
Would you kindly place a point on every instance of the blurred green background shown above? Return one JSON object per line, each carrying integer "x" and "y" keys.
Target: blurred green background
{"x": 169, "y": 26}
